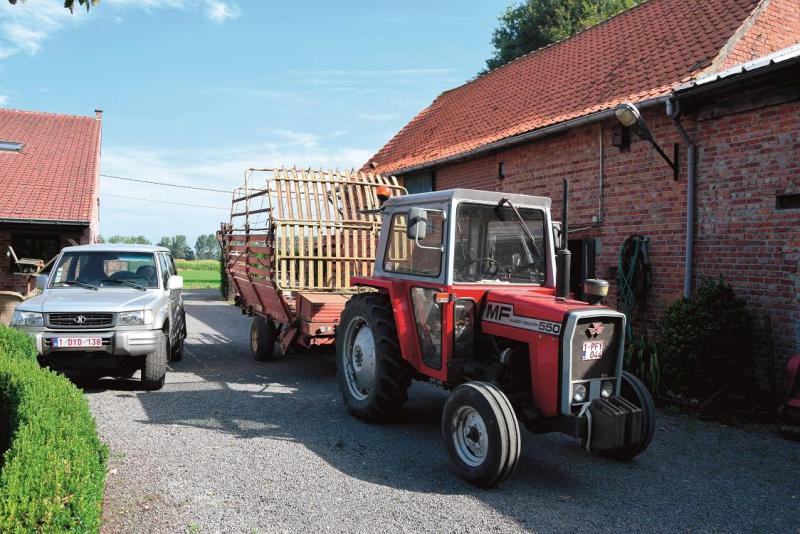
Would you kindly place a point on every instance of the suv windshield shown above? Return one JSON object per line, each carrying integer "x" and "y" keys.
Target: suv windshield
{"x": 491, "y": 245}
{"x": 106, "y": 269}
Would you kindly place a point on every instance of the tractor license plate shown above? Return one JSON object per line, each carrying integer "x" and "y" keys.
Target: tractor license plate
{"x": 77, "y": 342}
{"x": 592, "y": 350}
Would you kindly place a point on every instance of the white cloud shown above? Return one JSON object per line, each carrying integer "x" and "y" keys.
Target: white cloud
{"x": 375, "y": 117}
{"x": 221, "y": 169}
{"x": 26, "y": 25}
{"x": 221, "y": 11}
{"x": 3, "y": 100}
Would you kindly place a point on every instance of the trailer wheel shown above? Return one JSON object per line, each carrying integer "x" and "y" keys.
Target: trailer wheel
{"x": 155, "y": 365}
{"x": 632, "y": 389}
{"x": 373, "y": 377}
{"x": 262, "y": 339}
{"x": 481, "y": 433}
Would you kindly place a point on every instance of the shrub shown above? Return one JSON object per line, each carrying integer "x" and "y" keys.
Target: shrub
{"x": 705, "y": 340}
{"x": 641, "y": 359}
{"x": 53, "y": 471}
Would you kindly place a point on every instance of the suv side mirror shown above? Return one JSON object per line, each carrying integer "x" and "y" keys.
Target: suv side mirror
{"x": 175, "y": 282}
{"x": 417, "y": 224}
{"x": 41, "y": 281}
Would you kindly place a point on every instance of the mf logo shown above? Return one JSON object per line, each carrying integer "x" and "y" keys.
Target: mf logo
{"x": 498, "y": 312}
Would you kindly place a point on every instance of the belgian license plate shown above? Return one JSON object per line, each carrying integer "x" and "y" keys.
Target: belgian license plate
{"x": 77, "y": 342}
{"x": 592, "y": 350}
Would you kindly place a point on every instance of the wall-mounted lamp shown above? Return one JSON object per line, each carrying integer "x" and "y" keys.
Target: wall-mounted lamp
{"x": 628, "y": 115}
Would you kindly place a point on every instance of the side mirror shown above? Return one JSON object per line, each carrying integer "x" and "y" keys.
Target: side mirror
{"x": 417, "y": 224}
{"x": 41, "y": 281}
{"x": 175, "y": 282}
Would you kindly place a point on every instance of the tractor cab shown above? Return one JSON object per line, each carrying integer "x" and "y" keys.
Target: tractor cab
{"x": 470, "y": 293}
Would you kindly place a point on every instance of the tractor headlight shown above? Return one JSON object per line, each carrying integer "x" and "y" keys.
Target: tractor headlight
{"x": 25, "y": 318}
{"x": 579, "y": 392}
{"x": 607, "y": 389}
{"x": 135, "y": 318}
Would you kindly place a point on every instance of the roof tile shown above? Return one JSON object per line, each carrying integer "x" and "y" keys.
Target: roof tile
{"x": 637, "y": 55}
{"x": 54, "y": 176}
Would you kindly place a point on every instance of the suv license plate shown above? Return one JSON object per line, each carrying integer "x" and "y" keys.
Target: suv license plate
{"x": 592, "y": 350}
{"x": 77, "y": 342}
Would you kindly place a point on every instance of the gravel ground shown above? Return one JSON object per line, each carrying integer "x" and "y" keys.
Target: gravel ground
{"x": 233, "y": 445}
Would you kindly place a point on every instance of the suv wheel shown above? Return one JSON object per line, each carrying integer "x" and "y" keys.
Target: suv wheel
{"x": 155, "y": 365}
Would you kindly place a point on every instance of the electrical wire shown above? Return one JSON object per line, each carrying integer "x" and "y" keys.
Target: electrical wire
{"x": 165, "y": 202}
{"x": 154, "y": 182}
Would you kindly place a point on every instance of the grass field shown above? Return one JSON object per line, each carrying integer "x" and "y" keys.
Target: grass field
{"x": 199, "y": 274}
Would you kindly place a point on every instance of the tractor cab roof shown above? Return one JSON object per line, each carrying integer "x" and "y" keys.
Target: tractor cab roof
{"x": 467, "y": 195}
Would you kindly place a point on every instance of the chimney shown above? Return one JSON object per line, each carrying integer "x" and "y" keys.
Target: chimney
{"x": 98, "y": 114}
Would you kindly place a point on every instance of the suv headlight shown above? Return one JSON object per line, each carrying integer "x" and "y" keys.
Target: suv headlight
{"x": 26, "y": 318}
{"x": 134, "y": 318}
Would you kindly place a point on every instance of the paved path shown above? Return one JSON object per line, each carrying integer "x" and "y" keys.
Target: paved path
{"x": 233, "y": 445}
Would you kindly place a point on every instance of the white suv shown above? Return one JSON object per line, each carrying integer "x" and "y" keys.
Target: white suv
{"x": 109, "y": 310}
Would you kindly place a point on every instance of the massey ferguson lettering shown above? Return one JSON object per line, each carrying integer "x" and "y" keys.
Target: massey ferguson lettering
{"x": 495, "y": 312}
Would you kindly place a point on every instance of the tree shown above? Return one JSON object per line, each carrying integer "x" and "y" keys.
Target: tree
{"x": 537, "y": 23}
{"x": 128, "y": 239}
{"x": 70, "y": 4}
{"x": 207, "y": 247}
{"x": 176, "y": 244}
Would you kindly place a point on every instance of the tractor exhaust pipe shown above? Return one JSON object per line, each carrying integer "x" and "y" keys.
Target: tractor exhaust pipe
{"x": 563, "y": 259}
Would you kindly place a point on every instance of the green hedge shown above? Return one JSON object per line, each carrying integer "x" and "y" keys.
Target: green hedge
{"x": 52, "y": 472}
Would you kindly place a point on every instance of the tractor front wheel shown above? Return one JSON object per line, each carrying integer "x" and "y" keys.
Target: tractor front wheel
{"x": 262, "y": 339}
{"x": 632, "y": 389}
{"x": 373, "y": 377}
{"x": 481, "y": 434}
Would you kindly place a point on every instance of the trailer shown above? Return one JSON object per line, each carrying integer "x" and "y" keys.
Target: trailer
{"x": 295, "y": 239}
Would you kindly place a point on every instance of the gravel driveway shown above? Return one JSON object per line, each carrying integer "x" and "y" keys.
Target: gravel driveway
{"x": 233, "y": 445}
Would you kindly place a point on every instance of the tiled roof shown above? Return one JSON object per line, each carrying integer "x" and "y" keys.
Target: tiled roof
{"x": 54, "y": 176}
{"x": 635, "y": 56}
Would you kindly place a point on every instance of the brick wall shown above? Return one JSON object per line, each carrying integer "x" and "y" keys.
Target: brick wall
{"x": 12, "y": 282}
{"x": 775, "y": 26}
{"x": 744, "y": 160}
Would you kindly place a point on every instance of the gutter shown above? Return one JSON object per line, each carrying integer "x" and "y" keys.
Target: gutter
{"x": 592, "y": 118}
{"x": 674, "y": 113}
{"x": 4, "y": 220}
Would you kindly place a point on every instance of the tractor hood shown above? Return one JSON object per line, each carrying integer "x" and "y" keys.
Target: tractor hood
{"x": 529, "y": 310}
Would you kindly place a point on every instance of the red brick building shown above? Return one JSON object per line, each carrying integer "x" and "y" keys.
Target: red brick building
{"x": 549, "y": 115}
{"x": 49, "y": 186}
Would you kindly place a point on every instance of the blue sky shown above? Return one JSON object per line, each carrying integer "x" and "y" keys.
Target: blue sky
{"x": 195, "y": 91}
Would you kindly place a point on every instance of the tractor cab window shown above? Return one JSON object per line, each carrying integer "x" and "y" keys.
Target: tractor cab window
{"x": 421, "y": 256}
{"x": 492, "y": 245}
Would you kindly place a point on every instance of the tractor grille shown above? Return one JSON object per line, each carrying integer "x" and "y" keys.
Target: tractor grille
{"x": 607, "y": 330}
{"x": 74, "y": 321}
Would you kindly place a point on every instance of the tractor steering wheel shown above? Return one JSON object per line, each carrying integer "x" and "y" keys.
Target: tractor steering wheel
{"x": 492, "y": 261}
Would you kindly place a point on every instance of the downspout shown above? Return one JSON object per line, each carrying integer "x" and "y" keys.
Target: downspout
{"x": 674, "y": 112}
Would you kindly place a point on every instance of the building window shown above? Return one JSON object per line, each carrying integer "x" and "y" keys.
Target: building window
{"x": 11, "y": 146}
{"x": 34, "y": 246}
{"x": 789, "y": 201}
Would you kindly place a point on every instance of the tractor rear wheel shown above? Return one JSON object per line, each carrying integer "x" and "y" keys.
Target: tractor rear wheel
{"x": 632, "y": 389}
{"x": 481, "y": 433}
{"x": 262, "y": 339}
{"x": 373, "y": 377}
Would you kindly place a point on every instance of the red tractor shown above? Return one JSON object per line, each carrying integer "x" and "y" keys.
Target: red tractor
{"x": 459, "y": 288}
{"x": 467, "y": 293}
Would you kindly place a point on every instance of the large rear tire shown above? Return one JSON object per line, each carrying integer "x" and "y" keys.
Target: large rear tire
{"x": 262, "y": 339}
{"x": 155, "y": 365}
{"x": 632, "y": 389}
{"x": 373, "y": 377}
{"x": 481, "y": 433}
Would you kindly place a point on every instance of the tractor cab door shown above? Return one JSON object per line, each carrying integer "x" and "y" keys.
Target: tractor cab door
{"x": 416, "y": 256}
